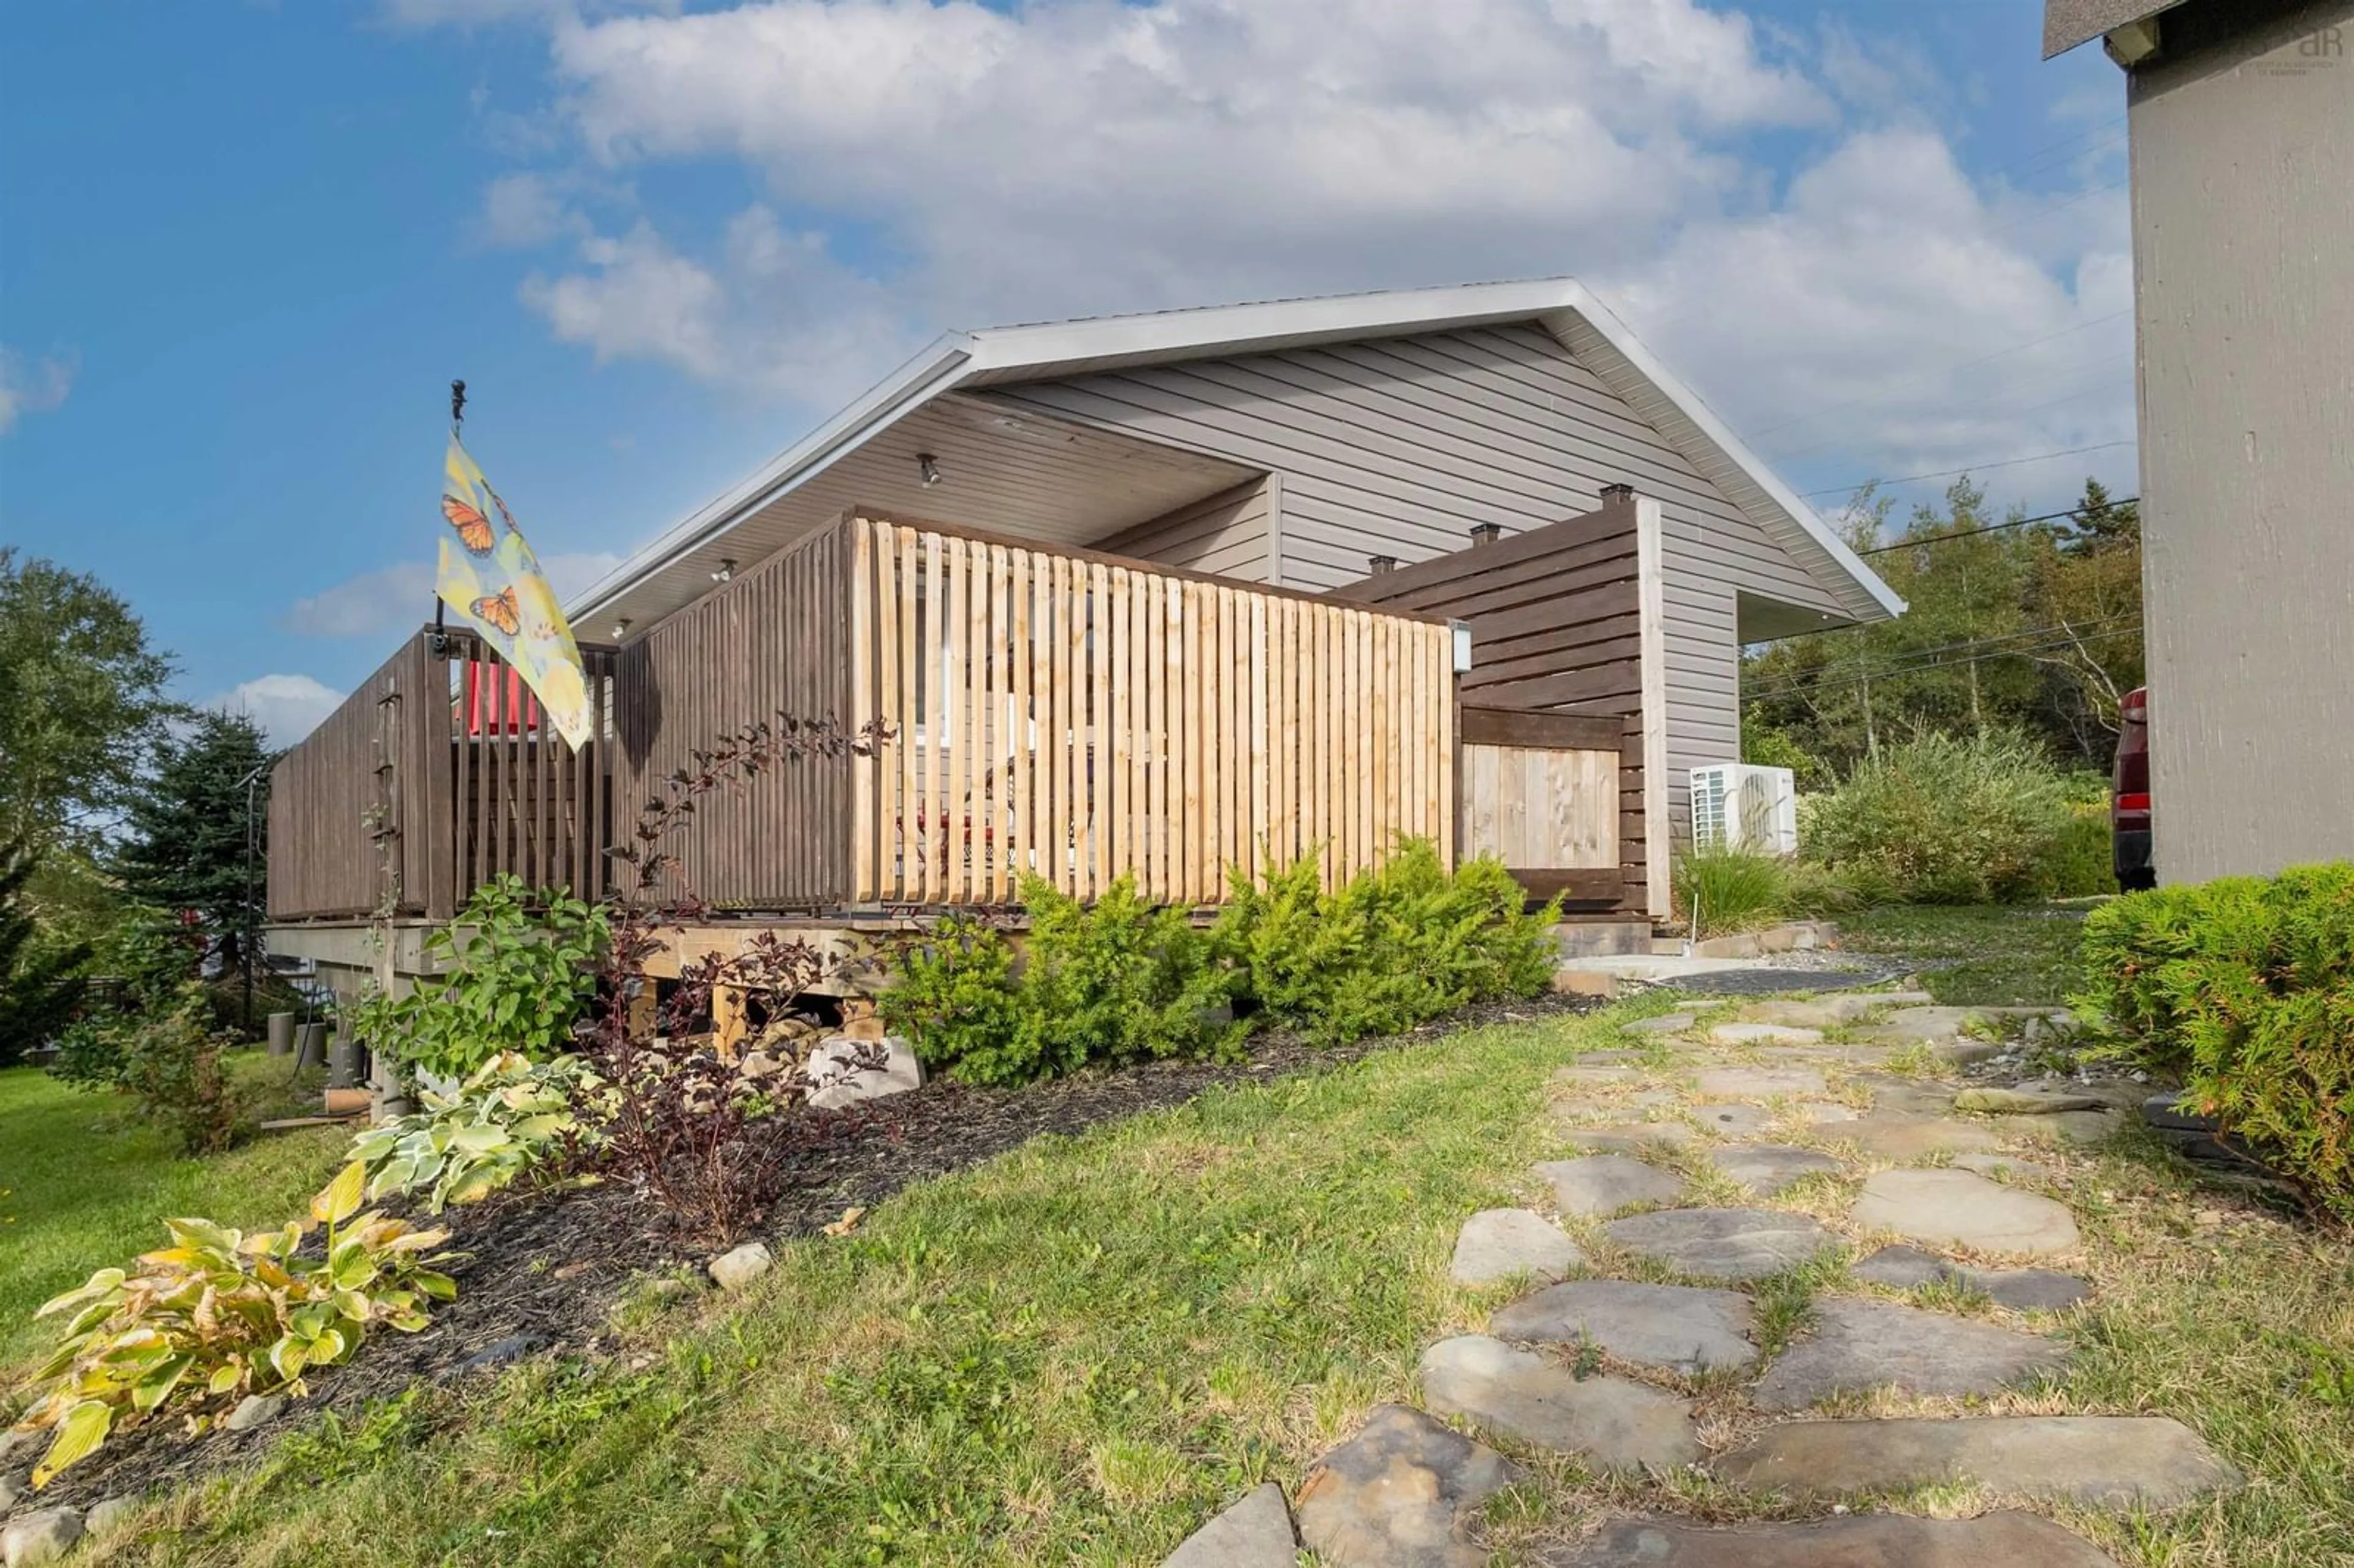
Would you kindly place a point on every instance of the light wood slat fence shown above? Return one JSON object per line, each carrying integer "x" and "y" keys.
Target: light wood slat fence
{"x": 1080, "y": 718}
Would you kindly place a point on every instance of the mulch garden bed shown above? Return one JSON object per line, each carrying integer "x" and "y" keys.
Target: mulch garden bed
{"x": 544, "y": 1271}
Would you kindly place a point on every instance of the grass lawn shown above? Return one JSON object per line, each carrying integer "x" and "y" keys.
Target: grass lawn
{"x": 1999, "y": 958}
{"x": 1076, "y": 1352}
{"x": 85, "y": 1180}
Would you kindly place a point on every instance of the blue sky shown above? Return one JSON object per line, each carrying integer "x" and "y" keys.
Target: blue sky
{"x": 244, "y": 247}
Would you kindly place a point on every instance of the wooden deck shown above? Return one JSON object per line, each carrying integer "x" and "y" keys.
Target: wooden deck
{"x": 1050, "y": 712}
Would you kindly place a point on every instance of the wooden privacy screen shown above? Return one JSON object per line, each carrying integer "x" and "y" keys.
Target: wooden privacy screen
{"x": 1556, "y": 618}
{"x": 1080, "y": 716}
{"x": 430, "y": 778}
{"x": 1540, "y": 794}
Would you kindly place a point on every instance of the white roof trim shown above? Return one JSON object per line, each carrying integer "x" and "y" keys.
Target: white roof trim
{"x": 1000, "y": 354}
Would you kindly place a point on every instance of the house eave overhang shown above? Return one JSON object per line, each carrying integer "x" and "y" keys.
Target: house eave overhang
{"x": 1002, "y": 355}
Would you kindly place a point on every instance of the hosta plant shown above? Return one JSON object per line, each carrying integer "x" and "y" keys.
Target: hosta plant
{"x": 513, "y": 1115}
{"x": 195, "y": 1325}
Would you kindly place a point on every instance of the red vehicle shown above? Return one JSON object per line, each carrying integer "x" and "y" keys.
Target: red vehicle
{"x": 2129, "y": 796}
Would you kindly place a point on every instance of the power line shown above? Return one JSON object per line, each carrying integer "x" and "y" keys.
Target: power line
{"x": 1974, "y": 467}
{"x": 1898, "y": 660}
{"x": 2012, "y": 649}
{"x": 2076, "y": 511}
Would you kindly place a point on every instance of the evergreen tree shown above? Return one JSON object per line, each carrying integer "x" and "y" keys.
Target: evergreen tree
{"x": 185, "y": 843}
{"x": 39, "y": 984}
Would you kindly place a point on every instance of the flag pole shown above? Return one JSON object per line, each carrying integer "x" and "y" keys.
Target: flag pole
{"x": 457, "y": 418}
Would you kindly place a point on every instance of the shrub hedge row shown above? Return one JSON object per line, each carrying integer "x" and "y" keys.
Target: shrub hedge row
{"x": 2244, "y": 990}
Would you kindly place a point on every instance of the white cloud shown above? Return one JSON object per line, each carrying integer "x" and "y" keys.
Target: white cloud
{"x": 31, "y": 386}
{"x": 399, "y": 598}
{"x": 522, "y": 211}
{"x": 287, "y": 707}
{"x": 947, "y": 165}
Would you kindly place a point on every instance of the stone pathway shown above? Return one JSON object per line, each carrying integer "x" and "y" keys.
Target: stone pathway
{"x": 1892, "y": 1253}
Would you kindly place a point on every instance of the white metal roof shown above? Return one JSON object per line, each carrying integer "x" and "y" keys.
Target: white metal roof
{"x": 1046, "y": 351}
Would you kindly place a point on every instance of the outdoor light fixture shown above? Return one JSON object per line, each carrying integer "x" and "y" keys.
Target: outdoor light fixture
{"x": 930, "y": 469}
{"x": 726, "y": 570}
{"x": 620, "y": 628}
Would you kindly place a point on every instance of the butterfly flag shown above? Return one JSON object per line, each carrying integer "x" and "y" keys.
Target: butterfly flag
{"x": 490, "y": 577}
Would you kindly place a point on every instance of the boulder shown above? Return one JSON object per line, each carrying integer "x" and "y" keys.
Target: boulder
{"x": 1256, "y": 1532}
{"x": 1400, "y": 1495}
{"x": 1612, "y": 1422}
{"x": 254, "y": 1410}
{"x": 836, "y": 1078}
{"x": 45, "y": 1535}
{"x": 736, "y": 1269}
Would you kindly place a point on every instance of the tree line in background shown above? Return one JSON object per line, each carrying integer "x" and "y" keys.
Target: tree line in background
{"x": 122, "y": 812}
{"x": 2015, "y": 626}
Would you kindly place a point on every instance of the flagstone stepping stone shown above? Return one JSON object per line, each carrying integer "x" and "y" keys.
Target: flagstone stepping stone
{"x": 2102, "y": 1461}
{"x": 1722, "y": 1243}
{"x": 1665, "y": 1024}
{"x": 2078, "y": 1127}
{"x": 1605, "y": 1184}
{"x": 1817, "y": 1013}
{"x": 1911, "y": 1138}
{"x": 1398, "y": 1495}
{"x": 1497, "y": 1244}
{"x": 1991, "y": 1100}
{"x": 2021, "y": 1289}
{"x": 1254, "y": 1533}
{"x": 1617, "y": 1423}
{"x": 1763, "y": 1034}
{"x": 1857, "y": 1540}
{"x": 1854, "y": 1004}
{"x": 2002, "y": 1165}
{"x": 1905, "y": 1097}
{"x": 1733, "y": 1120}
{"x": 1672, "y": 1325}
{"x": 1652, "y": 1099}
{"x": 1823, "y": 1111}
{"x": 1597, "y": 1072}
{"x": 1611, "y": 1056}
{"x": 1630, "y": 1137}
{"x": 1766, "y": 1169}
{"x": 1732, "y": 1083}
{"x": 1858, "y": 1346}
{"x": 1962, "y": 1208}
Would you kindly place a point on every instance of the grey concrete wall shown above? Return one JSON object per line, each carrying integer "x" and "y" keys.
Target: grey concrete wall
{"x": 2243, "y": 145}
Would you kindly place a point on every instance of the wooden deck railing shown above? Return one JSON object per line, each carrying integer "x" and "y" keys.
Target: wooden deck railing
{"x": 1079, "y": 717}
{"x": 430, "y": 778}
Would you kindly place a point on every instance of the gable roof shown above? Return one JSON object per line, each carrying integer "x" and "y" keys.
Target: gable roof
{"x": 995, "y": 355}
{"x": 2068, "y": 23}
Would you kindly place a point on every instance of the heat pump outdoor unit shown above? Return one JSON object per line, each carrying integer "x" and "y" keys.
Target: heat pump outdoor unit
{"x": 1737, "y": 806}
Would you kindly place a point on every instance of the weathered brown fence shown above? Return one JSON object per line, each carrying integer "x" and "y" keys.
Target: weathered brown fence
{"x": 1540, "y": 794}
{"x": 431, "y": 777}
{"x": 1079, "y": 717}
{"x": 1556, "y": 621}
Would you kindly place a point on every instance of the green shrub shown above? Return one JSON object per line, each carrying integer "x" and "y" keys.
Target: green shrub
{"x": 1719, "y": 889}
{"x": 519, "y": 977}
{"x": 219, "y": 1314}
{"x": 2083, "y": 863}
{"x": 1116, "y": 981}
{"x": 1936, "y": 820}
{"x": 1400, "y": 943}
{"x": 1120, "y": 981}
{"x": 2244, "y": 990}
{"x": 511, "y": 1116}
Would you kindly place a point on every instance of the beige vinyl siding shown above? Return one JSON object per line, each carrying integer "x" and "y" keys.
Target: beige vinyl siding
{"x": 1399, "y": 446}
{"x": 1227, "y": 533}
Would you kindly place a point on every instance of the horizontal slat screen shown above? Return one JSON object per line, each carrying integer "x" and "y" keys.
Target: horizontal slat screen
{"x": 1078, "y": 719}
